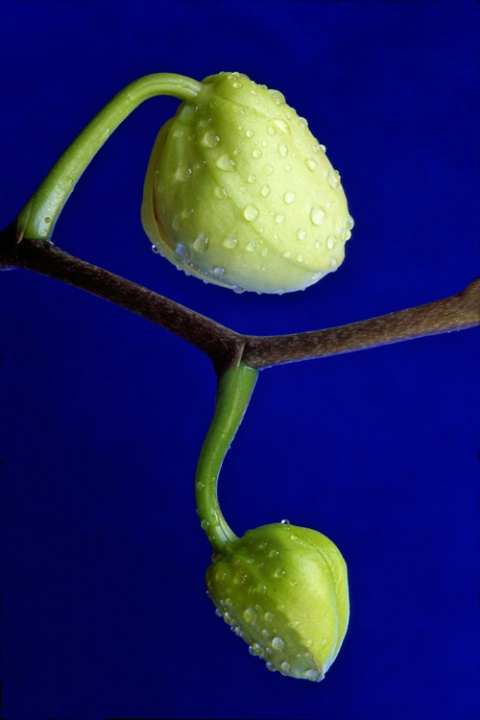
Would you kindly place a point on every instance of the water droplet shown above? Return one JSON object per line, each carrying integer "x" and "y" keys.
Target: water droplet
{"x": 201, "y": 243}
{"x": 250, "y": 616}
{"x": 317, "y": 215}
{"x": 155, "y": 249}
{"x": 268, "y": 170}
{"x": 271, "y": 667}
{"x": 251, "y": 246}
{"x": 268, "y": 617}
{"x": 181, "y": 253}
{"x": 277, "y": 96}
{"x": 322, "y": 148}
{"x": 310, "y": 163}
{"x": 218, "y": 272}
{"x": 283, "y": 150}
{"x": 333, "y": 179}
{"x": 265, "y": 191}
{"x": 237, "y": 85}
{"x": 289, "y": 197}
{"x": 282, "y": 125}
{"x": 257, "y": 649}
{"x": 279, "y": 573}
{"x": 300, "y": 258}
{"x": 278, "y": 644}
{"x": 183, "y": 173}
{"x": 287, "y": 167}
{"x": 264, "y": 252}
{"x": 331, "y": 242}
{"x": 285, "y": 521}
{"x": 240, "y": 578}
{"x": 225, "y": 162}
{"x": 250, "y": 212}
{"x": 249, "y": 133}
{"x": 271, "y": 130}
{"x": 218, "y": 613}
{"x": 256, "y": 153}
{"x": 279, "y": 218}
{"x": 239, "y": 291}
{"x": 294, "y": 537}
{"x": 301, "y": 234}
{"x": 220, "y": 192}
{"x": 230, "y": 242}
{"x": 285, "y": 667}
{"x": 346, "y": 235}
{"x": 273, "y": 553}
{"x": 287, "y": 254}
{"x": 312, "y": 675}
{"x": 251, "y": 179}
{"x": 333, "y": 262}
{"x": 349, "y": 222}
{"x": 211, "y": 139}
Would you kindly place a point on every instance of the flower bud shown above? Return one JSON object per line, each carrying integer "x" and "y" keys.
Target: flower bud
{"x": 284, "y": 590}
{"x": 239, "y": 193}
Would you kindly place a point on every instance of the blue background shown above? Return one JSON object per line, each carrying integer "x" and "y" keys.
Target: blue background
{"x": 103, "y": 414}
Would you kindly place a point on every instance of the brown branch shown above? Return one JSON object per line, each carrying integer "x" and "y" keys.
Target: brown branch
{"x": 224, "y": 345}
{"x": 457, "y": 312}
{"x": 220, "y": 343}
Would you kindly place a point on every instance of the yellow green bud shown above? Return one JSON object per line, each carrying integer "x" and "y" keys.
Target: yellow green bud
{"x": 284, "y": 590}
{"x": 239, "y": 193}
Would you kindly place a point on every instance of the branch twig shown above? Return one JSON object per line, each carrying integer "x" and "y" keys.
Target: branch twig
{"x": 220, "y": 343}
{"x": 457, "y": 312}
{"x": 224, "y": 345}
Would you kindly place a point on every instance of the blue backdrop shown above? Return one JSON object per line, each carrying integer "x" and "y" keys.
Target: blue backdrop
{"x": 103, "y": 414}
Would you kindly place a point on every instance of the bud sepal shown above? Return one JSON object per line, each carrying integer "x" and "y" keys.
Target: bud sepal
{"x": 284, "y": 590}
{"x": 239, "y": 192}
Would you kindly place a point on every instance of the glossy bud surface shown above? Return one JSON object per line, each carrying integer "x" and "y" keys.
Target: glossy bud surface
{"x": 284, "y": 590}
{"x": 239, "y": 193}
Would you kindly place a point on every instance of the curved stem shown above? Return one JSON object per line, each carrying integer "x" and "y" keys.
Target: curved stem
{"x": 234, "y": 390}
{"x": 38, "y": 217}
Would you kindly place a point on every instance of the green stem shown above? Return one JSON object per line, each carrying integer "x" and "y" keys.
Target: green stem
{"x": 38, "y": 217}
{"x": 234, "y": 390}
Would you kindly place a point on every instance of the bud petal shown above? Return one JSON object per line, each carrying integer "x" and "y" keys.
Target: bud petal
{"x": 284, "y": 590}
{"x": 239, "y": 193}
